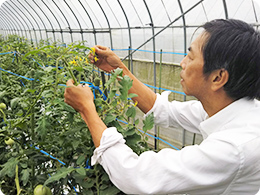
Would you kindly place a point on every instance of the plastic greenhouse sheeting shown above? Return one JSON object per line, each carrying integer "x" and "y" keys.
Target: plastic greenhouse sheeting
{"x": 123, "y": 25}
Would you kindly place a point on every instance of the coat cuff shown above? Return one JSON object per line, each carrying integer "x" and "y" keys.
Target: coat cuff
{"x": 109, "y": 138}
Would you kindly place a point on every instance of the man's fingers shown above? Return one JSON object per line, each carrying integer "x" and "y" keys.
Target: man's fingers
{"x": 70, "y": 82}
{"x": 101, "y": 49}
{"x": 84, "y": 85}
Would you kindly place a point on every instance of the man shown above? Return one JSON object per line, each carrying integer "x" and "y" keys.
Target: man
{"x": 222, "y": 70}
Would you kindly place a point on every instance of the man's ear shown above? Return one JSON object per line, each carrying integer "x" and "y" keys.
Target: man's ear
{"x": 219, "y": 79}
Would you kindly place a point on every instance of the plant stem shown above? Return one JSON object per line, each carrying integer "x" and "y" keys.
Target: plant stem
{"x": 4, "y": 116}
{"x": 56, "y": 77}
{"x": 33, "y": 115}
{"x": 97, "y": 177}
{"x": 29, "y": 110}
{"x": 70, "y": 72}
{"x": 17, "y": 181}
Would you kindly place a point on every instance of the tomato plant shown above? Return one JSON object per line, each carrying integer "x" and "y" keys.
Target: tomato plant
{"x": 52, "y": 145}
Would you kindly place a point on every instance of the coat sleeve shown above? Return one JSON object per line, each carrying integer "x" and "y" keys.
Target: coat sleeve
{"x": 205, "y": 169}
{"x": 187, "y": 115}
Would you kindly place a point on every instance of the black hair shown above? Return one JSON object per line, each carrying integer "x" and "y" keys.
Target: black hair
{"x": 234, "y": 46}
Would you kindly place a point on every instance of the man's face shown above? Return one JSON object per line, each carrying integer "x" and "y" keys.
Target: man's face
{"x": 193, "y": 80}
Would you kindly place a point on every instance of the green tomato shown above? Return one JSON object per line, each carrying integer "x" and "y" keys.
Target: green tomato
{"x": 97, "y": 81}
{"x": 40, "y": 190}
{"x": 9, "y": 141}
{"x": 2, "y": 106}
{"x": 48, "y": 191}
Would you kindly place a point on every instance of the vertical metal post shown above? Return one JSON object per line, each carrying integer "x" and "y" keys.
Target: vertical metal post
{"x": 19, "y": 16}
{"x": 31, "y": 23}
{"x": 111, "y": 40}
{"x": 62, "y": 38}
{"x": 154, "y": 63}
{"x": 38, "y": 17}
{"x": 7, "y": 25}
{"x": 10, "y": 16}
{"x": 225, "y": 8}
{"x": 129, "y": 34}
{"x": 47, "y": 19}
{"x": 92, "y": 23}
{"x": 25, "y": 20}
{"x": 81, "y": 31}
{"x": 65, "y": 19}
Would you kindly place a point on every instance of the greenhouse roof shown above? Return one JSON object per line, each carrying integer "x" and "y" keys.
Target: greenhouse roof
{"x": 148, "y": 25}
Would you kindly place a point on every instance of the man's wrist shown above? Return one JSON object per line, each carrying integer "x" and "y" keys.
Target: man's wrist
{"x": 87, "y": 108}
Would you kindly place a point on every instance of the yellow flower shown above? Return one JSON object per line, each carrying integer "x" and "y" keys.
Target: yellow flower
{"x": 95, "y": 59}
{"x": 86, "y": 60}
{"x": 80, "y": 59}
{"x": 93, "y": 49}
{"x": 136, "y": 102}
{"x": 73, "y": 62}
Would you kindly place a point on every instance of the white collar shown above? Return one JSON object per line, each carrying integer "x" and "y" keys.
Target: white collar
{"x": 217, "y": 121}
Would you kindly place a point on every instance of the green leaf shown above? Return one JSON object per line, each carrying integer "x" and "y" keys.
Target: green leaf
{"x": 129, "y": 131}
{"x": 131, "y": 95}
{"x": 25, "y": 176}
{"x": 112, "y": 93}
{"x": 136, "y": 121}
{"x": 63, "y": 172}
{"x": 14, "y": 102}
{"x": 9, "y": 168}
{"x": 133, "y": 139}
{"x": 49, "y": 69}
{"x": 131, "y": 112}
{"x": 66, "y": 107}
{"x": 89, "y": 183}
{"x": 78, "y": 68}
{"x": 148, "y": 122}
{"x": 114, "y": 76}
{"x": 30, "y": 90}
{"x": 80, "y": 159}
{"x": 126, "y": 83}
{"x": 81, "y": 171}
{"x": 110, "y": 190}
{"x": 109, "y": 118}
{"x": 75, "y": 144}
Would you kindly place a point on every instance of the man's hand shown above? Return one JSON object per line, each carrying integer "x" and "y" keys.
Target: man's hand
{"x": 82, "y": 100}
{"x": 107, "y": 59}
{"x": 79, "y": 97}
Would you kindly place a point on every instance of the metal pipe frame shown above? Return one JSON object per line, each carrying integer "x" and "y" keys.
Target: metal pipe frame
{"x": 54, "y": 38}
{"x": 7, "y": 2}
{"x": 154, "y": 64}
{"x": 81, "y": 32}
{"x": 129, "y": 34}
{"x": 26, "y": 22}
{"x": 4, "y": 8}
{"x": 65, "y": 19}
{"x": 92, "y": 23}
{"x": 38, "y": 17}
{"x": 32, "y": 18}
{"x": 111, "y": 40}
{"x": 225, "y": 8}
{"x": 176, "y": 19}
{"x": 6, "y": 25}
{"x": 61, "y": 31}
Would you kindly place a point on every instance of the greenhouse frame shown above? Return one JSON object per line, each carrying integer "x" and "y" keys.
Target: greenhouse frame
{"x": 151, "y": 37}
{"x": 136, "y": 30}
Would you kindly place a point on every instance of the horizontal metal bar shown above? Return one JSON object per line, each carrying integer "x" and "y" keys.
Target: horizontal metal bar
{"x": 106, "y": 30}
